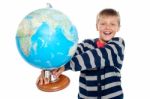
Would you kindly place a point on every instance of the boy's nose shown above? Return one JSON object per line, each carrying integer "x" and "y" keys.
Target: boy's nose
{"x": 107, "y": 26}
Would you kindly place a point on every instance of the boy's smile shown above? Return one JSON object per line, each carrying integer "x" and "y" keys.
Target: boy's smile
{"x": 106, "y": 35}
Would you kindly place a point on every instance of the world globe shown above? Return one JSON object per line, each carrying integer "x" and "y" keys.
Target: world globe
{"x": 46, "y": 38}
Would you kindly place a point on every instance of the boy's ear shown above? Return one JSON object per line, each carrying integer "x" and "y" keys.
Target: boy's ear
{"x": 118, "y": 29}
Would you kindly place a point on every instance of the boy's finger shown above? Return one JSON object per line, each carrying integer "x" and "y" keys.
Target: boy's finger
{"x": 40, "y": 81}
{"x": 54, "y": 71}
{"x": 59, "y": 72}
{"x": 62, "y": 69}
{"x": 46, "y": 80}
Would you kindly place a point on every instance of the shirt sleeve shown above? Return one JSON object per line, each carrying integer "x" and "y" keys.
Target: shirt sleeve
{"x": 112, "y": 54}
{"x": 84, "y": 46}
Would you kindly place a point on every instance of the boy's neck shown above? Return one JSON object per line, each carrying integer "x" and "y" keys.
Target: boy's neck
{"x": 102, "y": 41}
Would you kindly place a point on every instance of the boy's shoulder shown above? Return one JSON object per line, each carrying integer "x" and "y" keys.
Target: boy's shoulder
{"x": 90, "y": 40}
{"x": 118, "y": 39}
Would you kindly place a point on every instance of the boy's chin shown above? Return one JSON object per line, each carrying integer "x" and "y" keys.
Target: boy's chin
{"x": 107, "y": 39}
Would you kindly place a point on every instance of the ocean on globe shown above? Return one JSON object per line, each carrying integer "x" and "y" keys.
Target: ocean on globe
{"x": 46, "y": 38}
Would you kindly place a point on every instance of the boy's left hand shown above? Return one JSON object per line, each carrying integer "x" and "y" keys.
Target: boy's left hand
{"x": 58, "y": 72}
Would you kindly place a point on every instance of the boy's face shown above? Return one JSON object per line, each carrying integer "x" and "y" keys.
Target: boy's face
{"x": 107, "y": 27}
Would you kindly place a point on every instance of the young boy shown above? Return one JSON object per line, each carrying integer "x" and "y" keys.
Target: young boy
{"x": 99, "y": 60}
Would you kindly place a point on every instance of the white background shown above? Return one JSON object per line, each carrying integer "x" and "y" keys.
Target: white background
{"x": 17, "y": 78}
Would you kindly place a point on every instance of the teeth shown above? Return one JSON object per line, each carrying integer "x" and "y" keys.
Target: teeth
{"x": 107, "y": 33}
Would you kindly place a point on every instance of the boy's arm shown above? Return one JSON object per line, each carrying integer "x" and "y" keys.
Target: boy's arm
{"x": 83, "y": 46}
{"x": 80, "y": 49}
{"x": 111, "y": 55}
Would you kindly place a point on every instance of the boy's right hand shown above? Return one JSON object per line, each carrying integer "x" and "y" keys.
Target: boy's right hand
{"x": 58, "y": 72}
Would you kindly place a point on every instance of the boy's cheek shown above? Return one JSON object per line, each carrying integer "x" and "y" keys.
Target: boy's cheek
{"x": 100, "y": 32}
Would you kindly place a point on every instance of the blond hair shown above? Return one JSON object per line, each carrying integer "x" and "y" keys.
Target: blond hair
{"x": 107, "y": 12}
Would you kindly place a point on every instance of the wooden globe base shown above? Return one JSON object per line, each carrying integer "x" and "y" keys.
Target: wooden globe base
{"x": 62, "y": 82}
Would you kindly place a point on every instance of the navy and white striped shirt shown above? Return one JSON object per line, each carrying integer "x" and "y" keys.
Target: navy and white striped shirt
{"x": 100, "y": 69}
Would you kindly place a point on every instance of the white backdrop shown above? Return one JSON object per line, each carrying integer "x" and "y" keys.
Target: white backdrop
{"x": 17, "y": 78}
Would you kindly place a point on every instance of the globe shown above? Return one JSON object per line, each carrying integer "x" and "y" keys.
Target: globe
{"x": 46, "y": 38}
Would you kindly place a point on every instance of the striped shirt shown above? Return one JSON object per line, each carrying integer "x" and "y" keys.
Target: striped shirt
{"x": 100, "y": 69}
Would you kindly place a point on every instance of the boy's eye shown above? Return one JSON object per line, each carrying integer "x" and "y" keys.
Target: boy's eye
{"x": 112, "y": 24}
{"x": 102, "y": 23}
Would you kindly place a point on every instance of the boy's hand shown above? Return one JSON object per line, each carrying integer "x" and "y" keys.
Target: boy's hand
{"x": 58, "y": 72}
{"x": 41, "y": 79}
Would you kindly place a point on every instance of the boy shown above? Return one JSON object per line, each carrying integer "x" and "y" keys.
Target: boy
{"x": 99, "y": 60}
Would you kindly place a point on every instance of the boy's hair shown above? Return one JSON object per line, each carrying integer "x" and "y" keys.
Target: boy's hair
{"x": 107, "y": 12}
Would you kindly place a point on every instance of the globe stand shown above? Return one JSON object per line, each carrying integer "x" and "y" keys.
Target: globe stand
{"x": 54, "y": 84}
